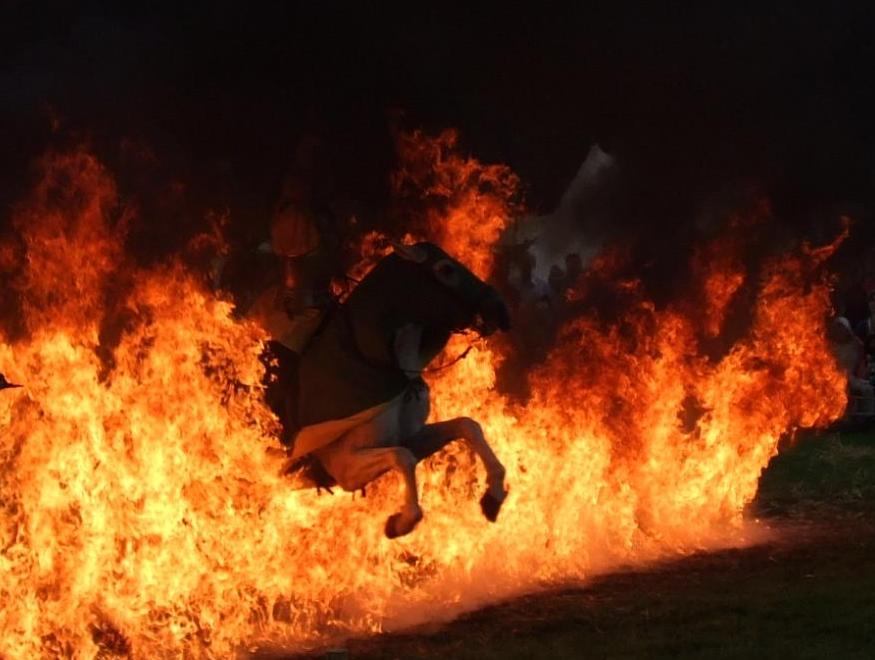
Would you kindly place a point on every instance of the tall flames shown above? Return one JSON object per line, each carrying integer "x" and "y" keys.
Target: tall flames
{"x": 142, "y": 509}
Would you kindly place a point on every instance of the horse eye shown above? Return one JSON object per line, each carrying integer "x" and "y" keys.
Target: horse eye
{"x": 446, "y": 273}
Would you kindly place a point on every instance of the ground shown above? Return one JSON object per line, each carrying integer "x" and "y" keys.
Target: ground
{"x": 809, "y": 593}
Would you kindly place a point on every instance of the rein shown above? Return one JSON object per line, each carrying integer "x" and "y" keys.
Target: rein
{"x": 343, "y": 313}
{"x": 441, "y": 367}
{"x": 340, "y": 299}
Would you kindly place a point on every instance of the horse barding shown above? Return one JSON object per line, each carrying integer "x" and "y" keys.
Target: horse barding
{"x": 354, "y": 404}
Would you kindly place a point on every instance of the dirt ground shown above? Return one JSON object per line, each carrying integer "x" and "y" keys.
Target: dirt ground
{"x": 808, "y": 593}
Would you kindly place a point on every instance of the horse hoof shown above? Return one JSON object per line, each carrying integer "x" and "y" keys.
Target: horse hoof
{"x": 398, "y": 525}
{"x": 392, "y": 531}
{"x": 491, "y": 506}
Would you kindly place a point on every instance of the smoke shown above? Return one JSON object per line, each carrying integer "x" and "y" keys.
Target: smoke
{"x": 575, "y": 226}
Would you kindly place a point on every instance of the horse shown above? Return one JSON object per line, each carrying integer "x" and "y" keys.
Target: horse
{"x": 355, "y": 405}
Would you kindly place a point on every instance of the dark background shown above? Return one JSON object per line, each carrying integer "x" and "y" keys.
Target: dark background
{"x": 200, "y": 105}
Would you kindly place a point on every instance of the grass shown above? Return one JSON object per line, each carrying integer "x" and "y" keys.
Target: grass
{"x": 820, "y": 471}
{"x": 810, "y": 594}
{"x": 812, "y": 601}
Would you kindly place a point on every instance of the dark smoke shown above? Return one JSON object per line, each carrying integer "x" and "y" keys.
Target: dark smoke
{"x": 197, "y": 110}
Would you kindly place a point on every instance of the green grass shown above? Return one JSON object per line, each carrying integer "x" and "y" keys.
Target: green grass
{"x": 828, "y": 470}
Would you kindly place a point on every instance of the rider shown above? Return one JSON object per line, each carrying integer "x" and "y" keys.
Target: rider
{"x": 293, "y": 308}
{"x": 304, "y": 237}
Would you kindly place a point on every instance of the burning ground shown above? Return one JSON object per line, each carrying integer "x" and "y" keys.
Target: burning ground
{"x": 142, "y": 509}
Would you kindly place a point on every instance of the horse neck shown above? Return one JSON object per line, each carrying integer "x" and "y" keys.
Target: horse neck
{"x": 374, "y": 316}
{"x": 376, "y": 321}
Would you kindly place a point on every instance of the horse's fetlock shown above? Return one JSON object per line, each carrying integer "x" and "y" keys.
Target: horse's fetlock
{"x": 413, "y": 513}
{"x": 497, "y": 474}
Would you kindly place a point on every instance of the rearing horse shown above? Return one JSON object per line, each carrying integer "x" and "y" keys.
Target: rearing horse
{"x": 359, "y": 405}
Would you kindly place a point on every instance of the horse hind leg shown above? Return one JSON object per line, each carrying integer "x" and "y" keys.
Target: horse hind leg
{"x": 433, "y": 437}
{"x": 354, "y": 469}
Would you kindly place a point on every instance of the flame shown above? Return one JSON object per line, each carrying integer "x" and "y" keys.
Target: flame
{"x": 722, "y": 274}
{"x": 142, "y": 511}
{"x": 469, "y": 204}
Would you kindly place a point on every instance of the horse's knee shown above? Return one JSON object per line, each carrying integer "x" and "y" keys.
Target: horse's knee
{"x": 403, "y": 459}
{"x": 468, "y": 428}
{"x": 471, "y": 431}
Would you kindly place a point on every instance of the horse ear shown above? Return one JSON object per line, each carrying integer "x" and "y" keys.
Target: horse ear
{"x": 410, "y": 252}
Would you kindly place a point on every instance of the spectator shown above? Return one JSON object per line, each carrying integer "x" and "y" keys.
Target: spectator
{"x": 851, "y": 358}
{"x": 556, "y": 280}
{"x": 573, "y": 268}
{"x": 866, "y": 327}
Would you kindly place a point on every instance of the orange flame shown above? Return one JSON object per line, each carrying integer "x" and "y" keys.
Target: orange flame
{"x": 143, "y": 515}
{"x": 469, "y": 204}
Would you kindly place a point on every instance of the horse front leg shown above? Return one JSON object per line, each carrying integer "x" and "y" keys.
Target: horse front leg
{"x": 433, "y": 437}
{"x": 353, "y": 470}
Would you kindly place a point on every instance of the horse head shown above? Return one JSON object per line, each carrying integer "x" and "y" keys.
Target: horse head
{"x": 464, "y": 300}
{"x": 421, "y": 284}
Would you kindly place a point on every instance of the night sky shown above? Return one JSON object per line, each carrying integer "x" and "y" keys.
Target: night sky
{"x": 690, "y": 100}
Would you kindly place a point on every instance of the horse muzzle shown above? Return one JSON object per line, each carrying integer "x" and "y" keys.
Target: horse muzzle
{"x": 492, "y": 315}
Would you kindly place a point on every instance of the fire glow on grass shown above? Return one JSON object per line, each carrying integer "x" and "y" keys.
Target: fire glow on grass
{"x": 141, "y": 513}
